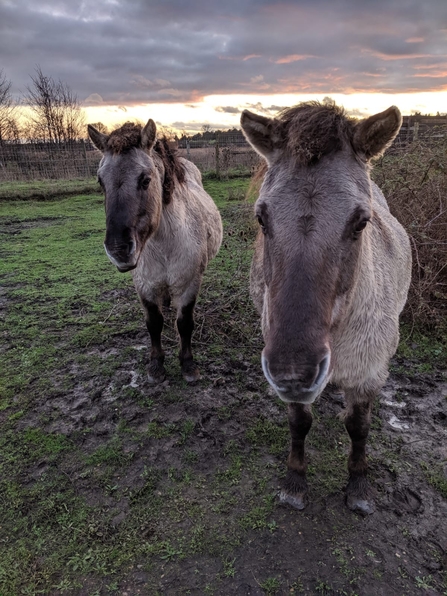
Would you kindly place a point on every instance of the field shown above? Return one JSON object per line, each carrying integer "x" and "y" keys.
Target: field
{"x": 111, "y": 486}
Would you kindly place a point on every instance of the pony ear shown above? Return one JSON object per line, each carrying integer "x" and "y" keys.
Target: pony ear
{"x": 98, "y": 139}
{"x": 260, "y": 132}
{"x": 373, "y": 135}
{"x": 148, "y": 135}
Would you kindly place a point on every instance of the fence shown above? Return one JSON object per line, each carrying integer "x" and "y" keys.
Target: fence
{"x": 40, "y": 161}
{"x": 79, "y": 159}
{"x": 223, "y": 153}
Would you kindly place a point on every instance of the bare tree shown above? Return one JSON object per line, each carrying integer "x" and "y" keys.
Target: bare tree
{"x": 56, "y": 114}
{"x": 100, "y": 127}
{"x": 9, "y": 126}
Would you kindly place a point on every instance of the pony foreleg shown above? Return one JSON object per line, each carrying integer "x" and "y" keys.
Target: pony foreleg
{"x": 357, "y": 421}
{"x": 185, "y": 326}
{"x": 295, "y": 485}
{"x": 154, "y": 324}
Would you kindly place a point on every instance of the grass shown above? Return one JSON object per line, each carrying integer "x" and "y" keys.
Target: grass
{"x": 101, "y": 480}
{"x": 43, "y": 190}
{"x": 64, "y": 303}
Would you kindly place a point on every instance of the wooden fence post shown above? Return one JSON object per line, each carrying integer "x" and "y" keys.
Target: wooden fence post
{"x": 217, "y": 157}
{"x": 87, "y": 169}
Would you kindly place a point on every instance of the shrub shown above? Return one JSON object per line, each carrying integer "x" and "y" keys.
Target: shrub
{"x": 414, "y": 181}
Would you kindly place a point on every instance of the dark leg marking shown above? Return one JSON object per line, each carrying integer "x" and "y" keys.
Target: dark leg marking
{"x": 185, "y": 326}
{"x": 154, "y": 324}
{"x": 295, "y": 484}
{"x": 357, "y": 423}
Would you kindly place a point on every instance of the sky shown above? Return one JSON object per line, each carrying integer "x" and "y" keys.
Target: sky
{"x": 190, "y": 63}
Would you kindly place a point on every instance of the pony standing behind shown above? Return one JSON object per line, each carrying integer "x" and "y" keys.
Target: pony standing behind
{"x": 162, "y": 226}
{"x": 330, "y": 273}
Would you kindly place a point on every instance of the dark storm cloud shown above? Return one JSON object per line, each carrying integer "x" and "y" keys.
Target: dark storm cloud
{"x": 125, "y": 52}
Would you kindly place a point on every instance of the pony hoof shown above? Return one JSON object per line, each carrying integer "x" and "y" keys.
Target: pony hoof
{"x": 156, "y": 374}
{"x": 298, "y": 501}
{"x": 362, "y": 506}
{"x": 155, "y": 380}
{"x": 190, "y": 373}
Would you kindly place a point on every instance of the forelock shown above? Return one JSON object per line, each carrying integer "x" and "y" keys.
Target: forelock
{"x": 311, "y": 130}
{"x": 125, "y": 138}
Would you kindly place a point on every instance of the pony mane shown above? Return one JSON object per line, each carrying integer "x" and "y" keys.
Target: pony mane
{"x": 174, "y": 170}
{"x": 125, "y": 138}
{"x": 309, "y": 131}
{"x": 128, "y": 137}
{"x": 312, "y": 129}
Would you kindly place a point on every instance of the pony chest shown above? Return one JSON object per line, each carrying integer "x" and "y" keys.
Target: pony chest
{"x": 167, "y": 261}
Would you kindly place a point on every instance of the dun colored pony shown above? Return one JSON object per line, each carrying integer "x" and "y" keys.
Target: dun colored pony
{"x": 162, "y": 225}
{"x": 330, "y": 273}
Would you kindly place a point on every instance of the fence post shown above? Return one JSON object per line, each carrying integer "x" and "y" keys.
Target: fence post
{"x": 87, "y": 169}
{"x": 217, "y": 157}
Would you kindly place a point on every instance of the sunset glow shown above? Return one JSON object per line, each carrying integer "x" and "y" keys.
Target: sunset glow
{"x": 191, "y": 118}
{"x": 187, "y": 65}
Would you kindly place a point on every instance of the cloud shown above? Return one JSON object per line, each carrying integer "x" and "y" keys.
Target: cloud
{"x": 94, "y": 99}
{"x": 193, "y": 127}
{"x": 292, "y": 58}
{"x": 162, "y": 82}
{"x": 132, "y": 52}
{"x": 260, "y": 108}
{"x": 228, "y": 110}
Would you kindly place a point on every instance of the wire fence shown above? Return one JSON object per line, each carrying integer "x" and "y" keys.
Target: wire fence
{"x": 79, "y": 159}
{"x": 225, "y": 153}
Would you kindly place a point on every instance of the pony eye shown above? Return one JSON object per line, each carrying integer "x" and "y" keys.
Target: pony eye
{"x": 144, "y": 181}
{"x": 360, "y": 227}
{"x": 261, "y": 223}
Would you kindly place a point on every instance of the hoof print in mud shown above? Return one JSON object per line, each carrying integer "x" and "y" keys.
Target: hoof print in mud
{"x": 406, "y": 500}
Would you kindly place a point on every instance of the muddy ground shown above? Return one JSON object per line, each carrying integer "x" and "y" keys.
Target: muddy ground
{"x": 173, "y": 489}
{"x": 401, "y": 549}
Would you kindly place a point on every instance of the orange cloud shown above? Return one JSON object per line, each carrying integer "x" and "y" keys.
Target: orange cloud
{"x": 431, "y": 75}
{"x": 292, "y": 58}
{"x": 243, "y": 58}
{"x": 415, "y": 40}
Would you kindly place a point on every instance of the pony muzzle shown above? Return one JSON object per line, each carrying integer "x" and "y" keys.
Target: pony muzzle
{"x": 292, "y": 389}
{"x": 124, "y": 258}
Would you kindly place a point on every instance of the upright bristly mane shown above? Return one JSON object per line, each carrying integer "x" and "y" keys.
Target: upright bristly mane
{"x": 128, "y": 137}
{"x": 311, "y": 130}
{"x": 125, "y": 138}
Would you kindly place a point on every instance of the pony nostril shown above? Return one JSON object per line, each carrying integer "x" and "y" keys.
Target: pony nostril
{"x": 308, "y": 378}
{"x": 323, "y": 369}
{"x": 131, "y": 247}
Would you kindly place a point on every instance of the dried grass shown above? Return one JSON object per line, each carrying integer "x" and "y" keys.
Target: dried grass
{"x": 414, "y": 181}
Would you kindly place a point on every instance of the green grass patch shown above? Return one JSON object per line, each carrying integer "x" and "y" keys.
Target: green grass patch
{"x": 43, "y": 190}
